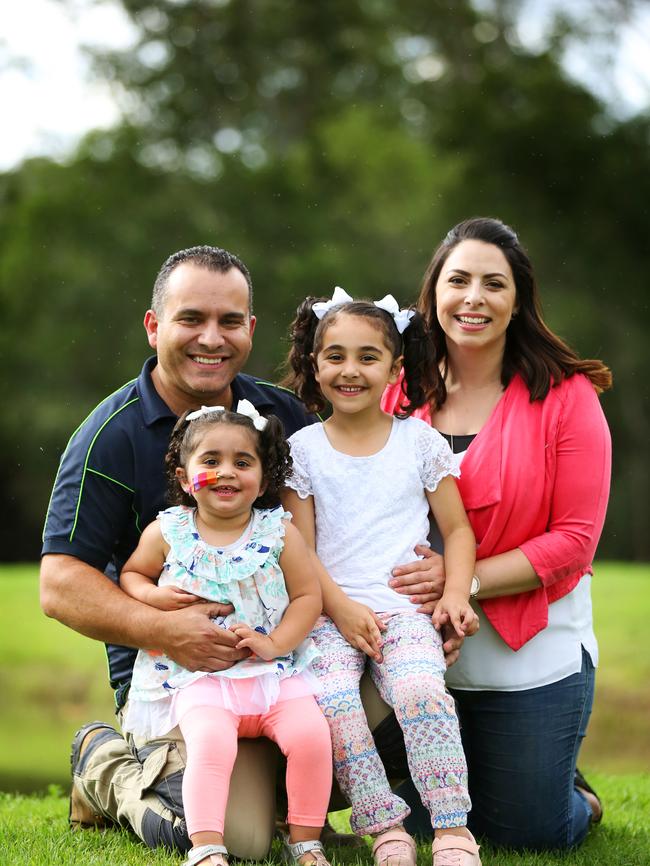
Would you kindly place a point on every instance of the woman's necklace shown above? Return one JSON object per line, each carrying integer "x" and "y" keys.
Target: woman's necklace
{"x": 476, "y": 411}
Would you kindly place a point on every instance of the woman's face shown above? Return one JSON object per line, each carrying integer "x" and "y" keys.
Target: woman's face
{"x": 475, "y": 296}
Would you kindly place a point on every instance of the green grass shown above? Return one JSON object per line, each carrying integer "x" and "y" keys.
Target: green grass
{"x": 619, "y": 731}
{"x": 54, "y": 680}
{"x": 34, "y": 832}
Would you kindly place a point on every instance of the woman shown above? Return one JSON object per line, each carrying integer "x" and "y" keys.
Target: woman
{"x": 520, "y": 409}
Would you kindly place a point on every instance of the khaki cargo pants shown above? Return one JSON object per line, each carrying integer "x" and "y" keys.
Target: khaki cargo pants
{"x": 137, "y": 784}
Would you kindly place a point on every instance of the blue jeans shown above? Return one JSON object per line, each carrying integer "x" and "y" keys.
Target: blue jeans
{"x": 521, "y": 749}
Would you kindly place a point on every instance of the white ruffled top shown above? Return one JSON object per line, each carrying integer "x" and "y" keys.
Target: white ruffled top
{"x": 246, "y": 574}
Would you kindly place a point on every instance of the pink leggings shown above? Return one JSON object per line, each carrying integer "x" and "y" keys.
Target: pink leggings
{"x": 298, "y": 727}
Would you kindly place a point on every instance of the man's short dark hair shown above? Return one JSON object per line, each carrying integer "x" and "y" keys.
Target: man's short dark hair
{"x": 211, "y": 258}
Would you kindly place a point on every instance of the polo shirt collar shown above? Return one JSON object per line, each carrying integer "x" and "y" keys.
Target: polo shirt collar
{"x": 155, "y": 409}
{"x": 153, "y": 406}
{"x": 246, "y": 388}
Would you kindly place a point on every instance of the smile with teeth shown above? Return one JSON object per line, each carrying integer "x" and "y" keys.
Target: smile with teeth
{"x": 349, "y": 389}
{"x": 473, "y": 320}
{"x": 203, "y": 359}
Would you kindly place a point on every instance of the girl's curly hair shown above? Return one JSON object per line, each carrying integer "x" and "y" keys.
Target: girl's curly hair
{"x": 270, "y": 444}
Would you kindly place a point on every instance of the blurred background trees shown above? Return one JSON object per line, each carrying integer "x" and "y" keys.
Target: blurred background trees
{"x": 325, "y": 143}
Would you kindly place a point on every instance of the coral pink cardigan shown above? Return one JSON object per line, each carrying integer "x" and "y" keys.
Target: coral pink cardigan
{"x": 536, "y": 477}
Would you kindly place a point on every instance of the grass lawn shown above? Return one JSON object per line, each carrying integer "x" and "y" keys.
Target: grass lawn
{"x": 34, "y": 832}
{"x": 54, "y": 680}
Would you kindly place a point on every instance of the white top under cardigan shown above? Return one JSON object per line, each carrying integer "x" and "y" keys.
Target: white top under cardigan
{"x": 487, "y": 663}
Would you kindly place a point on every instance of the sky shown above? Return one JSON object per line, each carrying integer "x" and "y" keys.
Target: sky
{"x": 48, "y": 99}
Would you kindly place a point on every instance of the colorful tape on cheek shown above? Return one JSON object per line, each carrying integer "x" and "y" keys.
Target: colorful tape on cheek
{"x": 203, "y": 479}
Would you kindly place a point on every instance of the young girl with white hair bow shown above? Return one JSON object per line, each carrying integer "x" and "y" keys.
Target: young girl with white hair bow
{"x": 360, "y": 492}
{"x": 228, "y": 540}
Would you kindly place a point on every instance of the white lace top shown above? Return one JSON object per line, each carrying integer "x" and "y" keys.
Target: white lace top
{"x": 370, "y": 511}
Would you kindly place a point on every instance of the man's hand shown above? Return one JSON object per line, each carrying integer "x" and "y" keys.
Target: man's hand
{"x": 361, "y": 627}
{"x": 191, "y": 639}
{"x": 422, "y": 580}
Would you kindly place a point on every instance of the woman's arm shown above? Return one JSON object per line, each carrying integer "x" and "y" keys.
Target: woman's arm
{"x": 581, "y": 487}
{"x": 577, "y": 505}
{"x": 139, "y": 577}
{"x": 577, "y": 512}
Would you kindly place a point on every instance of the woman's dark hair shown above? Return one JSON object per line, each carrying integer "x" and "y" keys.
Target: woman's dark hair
{"x": 415, "y": 344}
{"x": 540, "y": 357}
{"x": 271, "y": 445}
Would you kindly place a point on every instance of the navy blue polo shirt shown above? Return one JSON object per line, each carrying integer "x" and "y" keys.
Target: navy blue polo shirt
{"x": 111, "y": 479}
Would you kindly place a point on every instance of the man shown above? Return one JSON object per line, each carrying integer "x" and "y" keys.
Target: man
{"x": 110, "y": 485}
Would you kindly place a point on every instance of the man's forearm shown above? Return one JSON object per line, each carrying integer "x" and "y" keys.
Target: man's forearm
{"x": 81, "y": 597}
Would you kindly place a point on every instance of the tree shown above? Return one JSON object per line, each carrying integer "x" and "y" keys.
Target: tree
{"x": 396, "y": 122}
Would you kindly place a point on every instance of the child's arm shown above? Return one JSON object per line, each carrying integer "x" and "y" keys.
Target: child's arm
{"x": 358, "y": 624}
{"x": 304, "y": 607}
{"x": 142, "y": 569}
{"x": 459, "y": 557}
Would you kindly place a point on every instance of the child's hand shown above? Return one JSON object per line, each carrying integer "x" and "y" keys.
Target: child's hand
{"x": 261, "y": 645}
{"x": 456, "y": 611}
{"x": 361, "y": 627}
{"x": 170, "y": 598}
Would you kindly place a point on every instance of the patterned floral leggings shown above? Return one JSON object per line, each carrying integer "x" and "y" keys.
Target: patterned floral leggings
{"x": 411, "y": 680}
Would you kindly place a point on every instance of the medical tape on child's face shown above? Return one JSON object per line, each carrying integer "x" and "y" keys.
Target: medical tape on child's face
{"x": 204, "y": 479}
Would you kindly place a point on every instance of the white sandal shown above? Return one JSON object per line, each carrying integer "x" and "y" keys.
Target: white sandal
{"x": 293, "y": 850}
{"x": 217, "y": 854}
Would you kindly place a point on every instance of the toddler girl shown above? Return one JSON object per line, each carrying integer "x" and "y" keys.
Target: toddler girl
{"x": 361, "y": 488}
{"x": 222, "y": 543}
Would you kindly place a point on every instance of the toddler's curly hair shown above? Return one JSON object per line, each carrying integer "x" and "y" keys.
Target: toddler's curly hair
{"x": 270, "y": 443}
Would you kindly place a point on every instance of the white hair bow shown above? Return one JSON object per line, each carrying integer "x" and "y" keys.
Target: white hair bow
{"x": 204, "y": 410}
{"x": 340, "y": 296}
{"x": 244, "y": 407}
{"x": 402, "y": 317}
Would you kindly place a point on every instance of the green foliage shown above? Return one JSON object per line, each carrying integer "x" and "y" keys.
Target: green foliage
{"x": 324, "y": 143}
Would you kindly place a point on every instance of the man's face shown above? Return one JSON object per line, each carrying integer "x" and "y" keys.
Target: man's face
{"x": 203, "y": 337}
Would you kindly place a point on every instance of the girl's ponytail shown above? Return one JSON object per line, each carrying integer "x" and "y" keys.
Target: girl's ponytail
{"x": 422, "y": 382}
{"x": 301, "y": 372}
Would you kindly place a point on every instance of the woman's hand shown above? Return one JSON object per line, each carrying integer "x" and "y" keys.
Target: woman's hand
{"x": 361, "y": 627}
{"x": 169, "y": 597}
{"x": 259, "y": 644}
{"x": 456, "y": 611}
{"x": 422, "y": 580}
